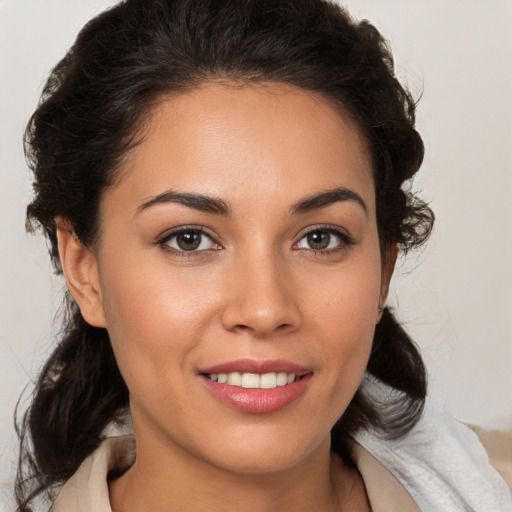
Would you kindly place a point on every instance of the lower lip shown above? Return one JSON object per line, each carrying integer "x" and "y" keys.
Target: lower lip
{"x": 258, "y": 400}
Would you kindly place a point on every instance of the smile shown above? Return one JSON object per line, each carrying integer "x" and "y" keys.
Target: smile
{"x": 253, "y": 386}
{"x": 253, "y": 380}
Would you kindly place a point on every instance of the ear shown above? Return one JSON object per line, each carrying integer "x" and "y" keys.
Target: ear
{"x": 388, "y": 266}
{"x": 81, "y": 272}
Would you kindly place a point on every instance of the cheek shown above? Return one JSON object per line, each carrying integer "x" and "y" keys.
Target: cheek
{"x": 344, "y": 315}
{"x": 154, "y": 320}
{"x": 346, "y": 301}
{"x": 347, "y": 330}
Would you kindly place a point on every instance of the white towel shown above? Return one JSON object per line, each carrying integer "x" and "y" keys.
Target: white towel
{"x": 441, "y": 462}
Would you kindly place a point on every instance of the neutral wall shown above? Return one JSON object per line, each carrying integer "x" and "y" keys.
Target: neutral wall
{"x": 455, "y": 297}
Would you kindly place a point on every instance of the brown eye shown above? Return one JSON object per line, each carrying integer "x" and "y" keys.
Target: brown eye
{"x": 189, "y": 240}
{"x": 323, "y": 240}
{"x": 318, "y": 240}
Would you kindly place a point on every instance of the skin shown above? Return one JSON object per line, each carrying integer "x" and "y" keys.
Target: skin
{"x": 255, "y": 289}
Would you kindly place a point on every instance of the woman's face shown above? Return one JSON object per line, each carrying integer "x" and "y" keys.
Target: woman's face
{"x": 240, "y": 245}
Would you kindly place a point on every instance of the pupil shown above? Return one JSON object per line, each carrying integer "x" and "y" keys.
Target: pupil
{"x": 188, "y": 241}
{"x": 319, "y": 240}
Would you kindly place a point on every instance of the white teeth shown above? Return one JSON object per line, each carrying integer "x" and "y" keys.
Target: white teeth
{"x": 250, "y": 380}
{"x": 254, "y": 380}
{"x": 268, "y": 380}
{"x": 282, "y": 379}
{"x": 235, "y": 379}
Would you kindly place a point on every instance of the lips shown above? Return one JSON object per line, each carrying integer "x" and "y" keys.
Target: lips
{"x": 257, "y": 386}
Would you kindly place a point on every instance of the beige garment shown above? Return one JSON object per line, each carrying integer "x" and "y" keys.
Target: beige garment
{"x": 498, "y": 446}
{"x": 87, "y": 489}
{"x": 385, "y": 492}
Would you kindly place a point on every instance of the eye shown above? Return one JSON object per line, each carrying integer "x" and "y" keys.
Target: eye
{"x": 188, "y": 240}
{"x": 323, "y": 240}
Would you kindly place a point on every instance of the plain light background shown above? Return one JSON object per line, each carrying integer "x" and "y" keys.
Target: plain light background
{"x": 455, "y": 298}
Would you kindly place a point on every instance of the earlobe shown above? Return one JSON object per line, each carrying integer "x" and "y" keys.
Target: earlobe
{"x": 80, "y": 269}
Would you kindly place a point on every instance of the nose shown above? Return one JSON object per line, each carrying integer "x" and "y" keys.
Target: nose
{"x": 263, "y": 298}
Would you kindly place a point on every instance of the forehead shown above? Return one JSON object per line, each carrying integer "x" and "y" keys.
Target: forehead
{"x": 219, "y": 138}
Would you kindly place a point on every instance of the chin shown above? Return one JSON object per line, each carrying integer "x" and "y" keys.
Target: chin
{"x": 264, "y": 453}
{"x": 270, "y": 462}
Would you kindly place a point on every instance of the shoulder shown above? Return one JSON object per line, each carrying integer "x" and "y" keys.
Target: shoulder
{"x": 443, "y": 464}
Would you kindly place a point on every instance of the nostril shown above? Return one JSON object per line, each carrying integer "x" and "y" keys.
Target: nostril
{"x": 240, "y": 327}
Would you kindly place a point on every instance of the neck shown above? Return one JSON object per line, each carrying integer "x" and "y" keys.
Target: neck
{"x": 165, "y": 477}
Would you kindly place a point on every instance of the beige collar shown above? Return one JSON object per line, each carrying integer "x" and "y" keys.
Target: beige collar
{"x": 385, "y": 492}
{"x": 87, "y": 489}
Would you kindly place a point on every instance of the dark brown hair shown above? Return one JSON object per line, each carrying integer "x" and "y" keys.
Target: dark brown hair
{"x": 90, "y": 113}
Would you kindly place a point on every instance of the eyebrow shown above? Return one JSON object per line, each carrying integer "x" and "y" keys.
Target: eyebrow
{"x": 206, "y": 204}
{"x": 327, "y": 198}
{"x": 209, "y": 204}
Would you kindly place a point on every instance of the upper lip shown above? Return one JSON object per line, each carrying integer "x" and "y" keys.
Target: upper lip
{"x": 259, "y": 367}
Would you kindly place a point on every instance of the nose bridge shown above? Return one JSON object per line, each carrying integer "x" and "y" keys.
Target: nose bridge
{"x": 263, "y": 298}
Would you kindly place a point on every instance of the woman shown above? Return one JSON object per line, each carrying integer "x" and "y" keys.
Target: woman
{"x": 221, "y": 185}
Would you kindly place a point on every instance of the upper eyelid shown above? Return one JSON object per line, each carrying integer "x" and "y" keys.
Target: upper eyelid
{"x": 166, "y": 235}
{"x": 323, "y": 227}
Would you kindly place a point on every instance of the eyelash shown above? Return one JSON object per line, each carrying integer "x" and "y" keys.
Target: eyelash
{"x": 345, "y": 241}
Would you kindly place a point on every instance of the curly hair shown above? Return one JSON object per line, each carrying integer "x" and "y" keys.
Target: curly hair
{"x": 89, "y": 116}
